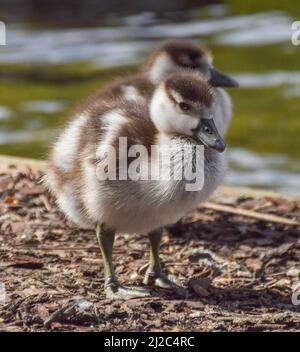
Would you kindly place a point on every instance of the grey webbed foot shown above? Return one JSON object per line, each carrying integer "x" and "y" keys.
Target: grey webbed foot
{"x": 117, "y": 291}
{"x": 162, "y": 281}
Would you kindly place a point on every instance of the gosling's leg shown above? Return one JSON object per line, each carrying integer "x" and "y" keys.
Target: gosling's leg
{"x": 154, "y": 275}
{"x": 113, "y": 289}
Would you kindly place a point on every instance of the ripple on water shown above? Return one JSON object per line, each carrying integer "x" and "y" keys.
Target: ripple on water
{"x": 5, "y": 113}
{"x": 44, "y": 106}
{"x": 270, "y": 28}
{"x": 269, "y": 79}
{"x": 126, "y": 42}
{"x": 250, "y": 169}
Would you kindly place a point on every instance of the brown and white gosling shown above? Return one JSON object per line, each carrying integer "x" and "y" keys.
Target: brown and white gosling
{"x": 180, "y": 114}
{"x": 168, "y": 58}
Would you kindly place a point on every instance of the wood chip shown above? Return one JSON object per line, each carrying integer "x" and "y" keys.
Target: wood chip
{"x": 23, "y": 261}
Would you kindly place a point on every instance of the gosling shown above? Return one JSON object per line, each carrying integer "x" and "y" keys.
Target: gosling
{"x": 180, "y": 114}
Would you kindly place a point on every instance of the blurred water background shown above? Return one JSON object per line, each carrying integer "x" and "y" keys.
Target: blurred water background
{"x": 60, "y": 51}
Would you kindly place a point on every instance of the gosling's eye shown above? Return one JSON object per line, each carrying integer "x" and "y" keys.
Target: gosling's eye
{"x": 184, "y": 106}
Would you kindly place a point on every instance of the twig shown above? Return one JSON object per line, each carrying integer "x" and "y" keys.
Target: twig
{"x": 69, "y": 248}
{"x": 250, "y": 214}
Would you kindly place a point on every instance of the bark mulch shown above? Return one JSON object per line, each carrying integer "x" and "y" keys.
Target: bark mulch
{"x": 241, "y": 272}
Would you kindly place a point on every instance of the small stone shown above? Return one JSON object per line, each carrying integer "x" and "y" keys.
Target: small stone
{"x": 293, "y": 272}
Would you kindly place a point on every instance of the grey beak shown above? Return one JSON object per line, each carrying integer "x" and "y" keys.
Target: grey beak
{"x": 218, "y": 79}
{"x": 208, "y": 134}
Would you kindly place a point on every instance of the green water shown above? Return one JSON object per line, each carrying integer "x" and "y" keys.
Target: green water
{"x": 68, "y": 83}
{"x": 266, "y": 117}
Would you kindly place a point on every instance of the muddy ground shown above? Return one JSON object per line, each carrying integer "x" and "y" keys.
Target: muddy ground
{"x": 239, "y": 271}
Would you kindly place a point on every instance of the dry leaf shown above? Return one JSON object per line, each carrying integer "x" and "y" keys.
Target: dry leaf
{"x": 42, "y": 312}
{"x": 254, "y": 264}
{"x": 200, "y": 286}
{"x": 32, "y": 191}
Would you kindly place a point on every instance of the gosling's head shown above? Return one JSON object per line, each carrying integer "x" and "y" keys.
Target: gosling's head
{"x": 183, "y": 105}
{"x": 173, "y": 55}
